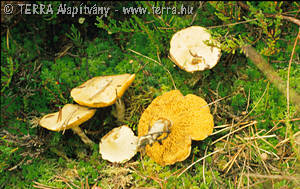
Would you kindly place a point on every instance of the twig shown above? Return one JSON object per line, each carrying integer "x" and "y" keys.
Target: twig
{"x": 232, "y": 24}
{"x": 267, "y": 87}
{"x": 273, "y": 128}
{"x": 215, "y": 101}
{"x": 260, "y": 121}
{"x": 196, "y": 12}
{"x": 256, "y": 183}
{"x": 10, "y": 63}
{"x": 158, "y": 180}
{"x": 271, "y": 74}
{"x": 16, "y": 166}
{"x": 227, "y": 125}
{"x": 259, "y": 137}
{"x": 248, "y": 167}
{"x": 227, "y": 143}
{"x": 270, "y": 153}
{"x": 281, "y": 177}
{"x": 213, "y": 175}
{"x": 42, "y": 186}
{"x": 87, "y": 183}
{"x": 164, "y": 28}
{"x": 248, "y": 101}
{"x": 219, "y": 131}
{"x": 239, "y": 123}
{"x": 285, "y": 140}
{"x": 262, "y": 138}
{"x": 230, "y": 163}
{"x": 198, "y": 161}
{"x": 142, "y": 67}
{"x": 254, "y": 122}
{"x": 291, "y": 19}
{"x": 66, "y": 181}
{"x": 289, "y": 12}
{"x": 288, "y": 130}
{"x": 73, "y": 55}
{"x": 288, "y": 77}
{"x": 157, "y": 62}
{"x": 258, "y": 150}
{"x": 203, "y": 167}
{"x": 242, "y": 174}
{"x": 86, "y": 62}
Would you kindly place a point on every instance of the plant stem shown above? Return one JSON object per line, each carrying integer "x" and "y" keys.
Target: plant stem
{"x": 120, "y": 110}
{"x": 271, "y": 74}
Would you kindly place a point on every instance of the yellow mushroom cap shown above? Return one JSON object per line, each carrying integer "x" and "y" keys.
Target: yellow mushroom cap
{"x": 71, "y": 115}
{"x": 119, "y": 145}
{"x": 102, "y": 91}
{"x": 190, "y": 53}
{"x": 190, "y": 119}
{"x": 201, "y": 123}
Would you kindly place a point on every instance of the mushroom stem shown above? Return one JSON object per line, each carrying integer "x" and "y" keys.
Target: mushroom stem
{"x": 120, "y": 110}
{"x": 159, "y": 127}
{"x": 83, "y": 137}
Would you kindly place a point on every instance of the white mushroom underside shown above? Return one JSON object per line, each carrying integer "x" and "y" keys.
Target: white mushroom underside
{"x": 188, "y": 50}
{"x": 119, "y": 145}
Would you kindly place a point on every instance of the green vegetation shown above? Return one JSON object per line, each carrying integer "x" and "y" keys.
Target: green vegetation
{"x": 44, "y": 56}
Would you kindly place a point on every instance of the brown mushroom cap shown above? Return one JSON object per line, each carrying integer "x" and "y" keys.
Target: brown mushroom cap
{"x": 190, "y": 119}
{"x": 102, "y": 91}
{"x": 190, "y": 53}
{"x": 71, "y": 115}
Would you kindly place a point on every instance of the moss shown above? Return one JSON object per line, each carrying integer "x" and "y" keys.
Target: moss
{"x": 41, "y": 74}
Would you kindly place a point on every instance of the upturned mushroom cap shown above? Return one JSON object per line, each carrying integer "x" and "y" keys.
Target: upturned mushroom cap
{"x": 119, "y": 145}
{"x": 201, "y": 121}
{"x": 190, "y": 53}
{"x": 190, "y": 119}
{"x": 102, "y": 91}
{"x": 71, "y": 115}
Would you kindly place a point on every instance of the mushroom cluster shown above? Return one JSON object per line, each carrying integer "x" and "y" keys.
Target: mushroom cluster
{"x": 168, "y": 125}
{"x": 97, "y": 92}
{"x": 173, "y": 120}
{"x": 104, "y": 91}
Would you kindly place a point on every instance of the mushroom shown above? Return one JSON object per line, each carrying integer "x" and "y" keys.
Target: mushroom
{"x": 103, "y": 91}
{"x": 119, "y": 145}
{"x": 190, "y": 53}
{"x": 170, "y": 122}
{"x": 69, "y": 117}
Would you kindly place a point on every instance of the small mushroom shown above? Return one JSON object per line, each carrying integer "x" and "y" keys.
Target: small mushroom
{"x": 190, "y": 53}
{"x": 69, "y": 117}
{"x": 170, "y": 122}
{"x": 119, "y": 145}
{"x": 103, "y": 91}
